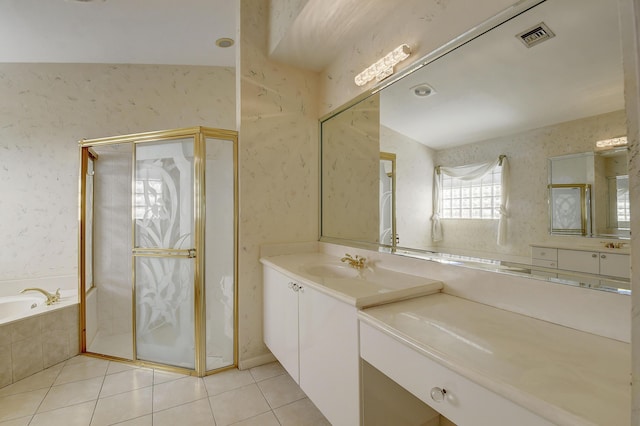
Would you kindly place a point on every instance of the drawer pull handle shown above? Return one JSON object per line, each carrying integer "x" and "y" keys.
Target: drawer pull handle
{"x": 594, "y": 255}
{"x": 604, "y": 256}
{"x": 438, "y": 394}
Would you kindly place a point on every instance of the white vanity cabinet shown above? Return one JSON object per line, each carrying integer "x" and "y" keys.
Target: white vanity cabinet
{"x": 615, "y": 265}
{"x": 315, "y": 338}
{"x": 280, "y": 320}
{"x": 595, "y": 262}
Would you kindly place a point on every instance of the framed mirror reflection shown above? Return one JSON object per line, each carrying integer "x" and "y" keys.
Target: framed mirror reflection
{"x": 489, "y": 97}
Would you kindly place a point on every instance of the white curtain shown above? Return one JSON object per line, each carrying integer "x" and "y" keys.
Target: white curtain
{"x": 471, "y": 172}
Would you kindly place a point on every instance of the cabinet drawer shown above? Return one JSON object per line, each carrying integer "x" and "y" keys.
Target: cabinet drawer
{"x": 465, "y": 403}
{"x": 546, "y": 253}
{"x": 581, "y": 261}
{"x": 544, "y": 263}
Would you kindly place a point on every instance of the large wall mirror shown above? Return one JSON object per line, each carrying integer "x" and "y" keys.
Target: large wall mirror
{"x": 516, "y": 111}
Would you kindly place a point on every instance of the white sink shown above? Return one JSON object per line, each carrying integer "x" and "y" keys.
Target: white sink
{"x": 329, "y": 270}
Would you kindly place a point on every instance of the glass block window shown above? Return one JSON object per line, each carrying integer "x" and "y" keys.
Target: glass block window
{"x": 471, "y": 199}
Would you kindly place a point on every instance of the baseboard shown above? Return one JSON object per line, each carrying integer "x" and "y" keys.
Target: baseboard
{"x": 245, "y": 364}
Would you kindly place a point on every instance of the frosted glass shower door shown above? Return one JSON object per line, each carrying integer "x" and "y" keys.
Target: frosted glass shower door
{"x": 164, "y": 252}
{"x": 220, "y": 252}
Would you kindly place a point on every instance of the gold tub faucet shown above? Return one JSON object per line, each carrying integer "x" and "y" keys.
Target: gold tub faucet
{"x": 358, "y": 262}
{"x": 51, "y": 298}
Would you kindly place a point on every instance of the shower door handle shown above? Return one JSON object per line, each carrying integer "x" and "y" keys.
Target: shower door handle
{"x": 156, "y": 252}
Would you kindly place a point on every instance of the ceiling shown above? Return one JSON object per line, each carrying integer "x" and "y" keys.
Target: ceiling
{"x": 325, "y": 27}
{"x": 495, "y": 86}
{"x": 117, "y": 31}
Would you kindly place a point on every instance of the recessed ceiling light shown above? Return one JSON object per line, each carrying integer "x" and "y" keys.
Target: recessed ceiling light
{"x": 224, "y": 42}
{"x": 423, "y": 90}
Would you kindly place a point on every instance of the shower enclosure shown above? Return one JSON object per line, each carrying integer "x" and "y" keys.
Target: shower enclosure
{"x": 158, "y": 233}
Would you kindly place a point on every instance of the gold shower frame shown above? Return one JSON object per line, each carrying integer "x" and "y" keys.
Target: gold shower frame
{"x": 199, "y": 135}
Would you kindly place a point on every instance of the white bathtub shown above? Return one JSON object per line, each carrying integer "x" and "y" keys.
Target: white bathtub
{"x": 15, "y": 305}
{"x": 36, "y": 336}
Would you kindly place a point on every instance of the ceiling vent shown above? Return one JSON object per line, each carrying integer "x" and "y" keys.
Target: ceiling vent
{"x": 536, "y": 35}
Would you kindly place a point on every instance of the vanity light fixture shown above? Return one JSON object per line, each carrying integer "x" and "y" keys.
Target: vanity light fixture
{"x": 611, "y": 143}
{"x": 383, "y": 68}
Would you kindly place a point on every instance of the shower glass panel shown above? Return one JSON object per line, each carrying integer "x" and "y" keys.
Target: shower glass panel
{"x": 163, "y": 213}
{"x": 219, "y": 257}
{"x": 109, "y": 328}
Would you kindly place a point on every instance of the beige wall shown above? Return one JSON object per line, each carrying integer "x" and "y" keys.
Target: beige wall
{"x": 528, "y": 155}
{"x": 47, "y": 108}
{"x": 278, "y": 164}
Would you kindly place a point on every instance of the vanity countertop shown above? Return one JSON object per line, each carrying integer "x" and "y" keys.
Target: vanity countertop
{"x": 567, "y": 376}
{"x": 373, "y": 286}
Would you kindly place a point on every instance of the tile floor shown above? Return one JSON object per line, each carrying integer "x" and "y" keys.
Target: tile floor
{"x": 91, "y": 391}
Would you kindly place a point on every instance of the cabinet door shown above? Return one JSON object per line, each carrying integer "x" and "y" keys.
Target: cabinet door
{"x": 329, "y": 361}
{"x": 580, "y": 261}
{"x": 280, "y": 320}
{"x": 615, "y": 265}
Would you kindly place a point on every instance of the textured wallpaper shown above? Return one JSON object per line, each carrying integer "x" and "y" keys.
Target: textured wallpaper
{"x": 278, "y": 164}
{"x": 46, "y": 108}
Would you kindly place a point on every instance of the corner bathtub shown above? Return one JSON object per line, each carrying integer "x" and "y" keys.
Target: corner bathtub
{"x": 34, "y": 336}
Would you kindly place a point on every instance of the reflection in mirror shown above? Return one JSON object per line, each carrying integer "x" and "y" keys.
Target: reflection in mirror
{"x": 489, "y": 97}
{"x": 589, "y": 192}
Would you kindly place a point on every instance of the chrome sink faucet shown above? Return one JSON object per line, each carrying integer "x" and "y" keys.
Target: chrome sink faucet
{"x": 358, "y": 262}
{"x": 51, "y": 298}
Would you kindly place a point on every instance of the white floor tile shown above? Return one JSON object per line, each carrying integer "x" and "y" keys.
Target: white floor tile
{"x": 178, "y": 392}
{"x": 165, "y": 376}
{"x": 197, "y": 413}
{"x": 266, "y": 419}
{"x": 41, "y": 380}
{"x": 227, "y": 380}
{"x": 122, "y": 407}
{"x": 238, "y": 404}
{"x": 71, "y": 394}
{"x": 138, "y": 421}
{"x": 89, "y": 368}
{"x": 21, "y": 405}
{"x": 22, "y": 421}
{"x": 126, "y": 381}
{"x": 280, "y": 390}
{"x": 67, "y": 394}
{"x": 117, "y": 367}
{"x": 301, "y": 413}
{"x": 75, "y": 415}
{"x": 267, "y": 371}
